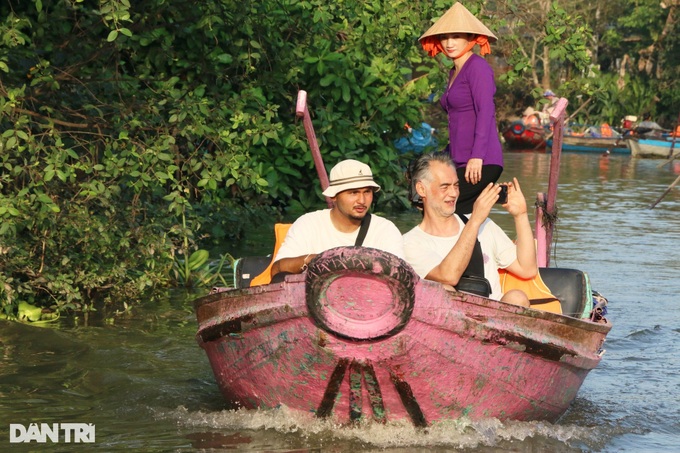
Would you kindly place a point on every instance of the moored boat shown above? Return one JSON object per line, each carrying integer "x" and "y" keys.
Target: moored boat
{"x": 580, "y": 144}
{"x": 593, "y": 139}
{"x": 520, "y": 136}
{"x": 653, "y": 147}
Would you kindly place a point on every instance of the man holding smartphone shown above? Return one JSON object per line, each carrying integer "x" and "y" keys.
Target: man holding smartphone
{"x": 444, "y": 247}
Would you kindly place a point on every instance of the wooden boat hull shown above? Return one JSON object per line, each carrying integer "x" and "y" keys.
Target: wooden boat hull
{"x": 580, "y": 144}
{"x": 520, "y": 136}
{"x": 358, "y": 345}
{"x": 652, "y": 148}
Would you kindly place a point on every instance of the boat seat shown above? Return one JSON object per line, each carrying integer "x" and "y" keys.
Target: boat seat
{"x": 571, "y": 287}
{"x": 247, "y": 268}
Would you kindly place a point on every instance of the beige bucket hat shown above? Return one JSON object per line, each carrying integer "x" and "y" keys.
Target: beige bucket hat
{"x": 350, "y": 174}
{"x": 459, "y": 20}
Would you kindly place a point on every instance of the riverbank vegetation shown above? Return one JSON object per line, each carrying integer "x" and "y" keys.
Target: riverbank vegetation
{"x": 137, "y": 135}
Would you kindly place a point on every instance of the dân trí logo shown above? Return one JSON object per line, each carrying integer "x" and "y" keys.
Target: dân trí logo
{"x": 54, "y": 432}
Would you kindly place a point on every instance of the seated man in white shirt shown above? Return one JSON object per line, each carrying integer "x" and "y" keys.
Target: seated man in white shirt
{"x": 440, "y": 248}
{"x": 351, "y": 189}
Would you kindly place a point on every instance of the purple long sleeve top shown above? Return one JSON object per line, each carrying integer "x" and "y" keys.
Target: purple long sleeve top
{"x": 469, "y": 102}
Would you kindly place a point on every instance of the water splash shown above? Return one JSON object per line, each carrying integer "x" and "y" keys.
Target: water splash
{"x": 459, "y": 434}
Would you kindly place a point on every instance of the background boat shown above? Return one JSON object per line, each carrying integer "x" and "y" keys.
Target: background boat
{"x": 593, "y": 139}
{"x": 653, "y": 147}
{"x": 520, "y": 136}
{"x": 581, "y": 144}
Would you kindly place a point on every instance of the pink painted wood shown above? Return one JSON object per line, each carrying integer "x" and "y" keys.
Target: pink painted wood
{"x": 456, "y": 355}
{"x": 301, "y": 110}
{"x": 544, "y": 229}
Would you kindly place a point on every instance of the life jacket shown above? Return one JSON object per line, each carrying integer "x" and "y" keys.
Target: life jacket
{"x": 536, "y": 290}
{"x": 606, "y": 130}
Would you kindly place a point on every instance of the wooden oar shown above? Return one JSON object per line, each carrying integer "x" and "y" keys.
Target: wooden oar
{"x": 665, "y": 193}
{"x": 671, "y": 156}
{"x": 301, "y": 110}
{"x": 669, "y": 160}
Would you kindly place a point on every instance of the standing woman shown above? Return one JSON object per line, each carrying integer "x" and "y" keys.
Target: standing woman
{"x": 474, "y": 142}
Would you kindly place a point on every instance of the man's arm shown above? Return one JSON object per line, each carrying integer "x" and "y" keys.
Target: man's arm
{"x": 526, "y": 265}
{"x": 456, "y": 261}
{"x": 292, "y": 265}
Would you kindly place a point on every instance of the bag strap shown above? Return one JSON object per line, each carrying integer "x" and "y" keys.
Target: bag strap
{"x": 363, "y": 229}
{"x": 476, "y": 264}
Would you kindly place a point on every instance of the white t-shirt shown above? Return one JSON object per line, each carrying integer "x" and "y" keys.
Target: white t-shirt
{"x": 314, "y": 232}
{"x": 424, "y": 251}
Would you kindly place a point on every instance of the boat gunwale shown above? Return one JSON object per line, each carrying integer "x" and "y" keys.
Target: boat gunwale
{"x": 464, "y": 297}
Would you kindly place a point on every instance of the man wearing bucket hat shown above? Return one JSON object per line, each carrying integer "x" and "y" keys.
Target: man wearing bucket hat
{"x": 474, "y": 143}
{"x": 351, "y": 188}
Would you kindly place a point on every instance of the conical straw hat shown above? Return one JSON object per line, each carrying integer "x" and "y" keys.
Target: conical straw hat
{"x": 459, "y": 20}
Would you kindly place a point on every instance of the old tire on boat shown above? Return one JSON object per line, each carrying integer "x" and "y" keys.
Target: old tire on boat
{"x": 518, "y": 127}
{"x": 360, "y": 293}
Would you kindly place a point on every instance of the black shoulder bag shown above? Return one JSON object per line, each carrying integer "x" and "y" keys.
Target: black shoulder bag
{"x": 473, "y": 280}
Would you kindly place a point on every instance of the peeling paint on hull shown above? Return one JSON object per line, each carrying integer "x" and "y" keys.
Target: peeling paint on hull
{"x": 455, "y": 355}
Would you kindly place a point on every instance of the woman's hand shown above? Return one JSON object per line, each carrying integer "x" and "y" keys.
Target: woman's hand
{"x": 473, "y": 171}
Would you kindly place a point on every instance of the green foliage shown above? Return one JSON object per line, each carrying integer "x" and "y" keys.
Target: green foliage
{"x": 199, "y": 271}
{"x": 135, "y": 134}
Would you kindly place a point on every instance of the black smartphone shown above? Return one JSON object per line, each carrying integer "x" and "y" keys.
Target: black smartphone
{"x": 503, "y": 195}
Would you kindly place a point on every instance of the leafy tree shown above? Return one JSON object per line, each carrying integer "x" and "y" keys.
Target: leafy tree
{"x": 135, "y": 133}
{"x": 642, "y": 46}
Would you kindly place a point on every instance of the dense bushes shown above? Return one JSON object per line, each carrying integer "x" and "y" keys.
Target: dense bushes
{"x": 135, "y": 133}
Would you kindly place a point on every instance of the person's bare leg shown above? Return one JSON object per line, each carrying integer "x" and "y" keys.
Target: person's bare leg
{"x": 516, "y": 297}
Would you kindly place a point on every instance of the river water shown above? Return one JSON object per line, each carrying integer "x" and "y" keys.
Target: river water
{"x": 146, "y": 386}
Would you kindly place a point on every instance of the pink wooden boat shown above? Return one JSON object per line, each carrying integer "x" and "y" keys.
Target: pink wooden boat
{"x": 359, "y": 336}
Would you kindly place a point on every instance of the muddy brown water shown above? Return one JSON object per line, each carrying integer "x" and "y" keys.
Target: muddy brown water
{"x": 145, "y": 385}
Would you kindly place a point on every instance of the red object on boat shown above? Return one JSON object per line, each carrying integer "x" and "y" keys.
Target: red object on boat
{"x": 520, "y": 136}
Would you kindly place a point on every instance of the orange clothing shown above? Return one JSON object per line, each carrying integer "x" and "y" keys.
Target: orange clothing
{"x": 531, "y": 120}
{"x": 432, "y": 45}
